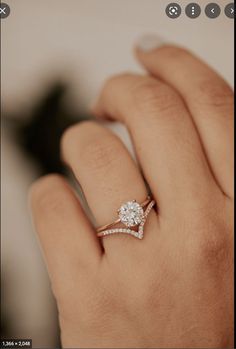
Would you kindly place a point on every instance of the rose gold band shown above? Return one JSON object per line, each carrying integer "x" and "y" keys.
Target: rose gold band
{"x": 139, "y": 234}
{"x": 106, "y": 226}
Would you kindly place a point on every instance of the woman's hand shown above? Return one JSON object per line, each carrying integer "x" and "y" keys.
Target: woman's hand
{"x": 173, "y": 289}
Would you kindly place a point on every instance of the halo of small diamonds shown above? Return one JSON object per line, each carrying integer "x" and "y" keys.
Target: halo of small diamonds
{"x": 131, "y": 213}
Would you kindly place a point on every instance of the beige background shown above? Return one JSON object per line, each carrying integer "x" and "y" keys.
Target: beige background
{"x": 84, "y": 41}
{"x": 91, "y": 39}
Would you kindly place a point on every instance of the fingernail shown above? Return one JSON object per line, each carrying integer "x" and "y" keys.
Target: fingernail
{"x": 149, "y": 42}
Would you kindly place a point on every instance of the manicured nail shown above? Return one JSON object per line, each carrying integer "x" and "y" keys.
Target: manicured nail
{"x": 149, "y": 42}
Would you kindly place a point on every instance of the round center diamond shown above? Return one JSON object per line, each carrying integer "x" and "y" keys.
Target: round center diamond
{"x": 131, "y": 213}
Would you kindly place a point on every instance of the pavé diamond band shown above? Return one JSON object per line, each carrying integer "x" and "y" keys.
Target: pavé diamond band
{"x": 131, "y": 214}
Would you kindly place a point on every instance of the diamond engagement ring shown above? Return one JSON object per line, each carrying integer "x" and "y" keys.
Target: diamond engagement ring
{"x": 131, "y": 214}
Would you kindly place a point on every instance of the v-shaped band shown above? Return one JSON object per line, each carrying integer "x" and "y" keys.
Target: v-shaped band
{"x": 138, "y": 234}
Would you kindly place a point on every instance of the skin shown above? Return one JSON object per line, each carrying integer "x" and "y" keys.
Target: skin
{"x": 174, "y": 288}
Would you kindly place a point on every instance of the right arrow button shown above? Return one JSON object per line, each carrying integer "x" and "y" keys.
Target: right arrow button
{"x": 229, "y": 10}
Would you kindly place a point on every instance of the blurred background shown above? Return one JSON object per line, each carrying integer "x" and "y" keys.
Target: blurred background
{"x": 55, "y": 55}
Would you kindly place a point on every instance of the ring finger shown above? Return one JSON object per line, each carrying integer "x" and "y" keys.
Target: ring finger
{"x": 108, "y": 177}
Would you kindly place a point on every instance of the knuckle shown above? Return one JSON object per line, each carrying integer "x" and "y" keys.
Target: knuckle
{"x": 211, "y": 90}
{"x": 215, "y": 92}
{"x": 211, "y": 243}
{"x": 148, "y": 95}
{"x": 145, "y": 89}
{"x": 44, "y": 193}
{"x": 213, "y": 246}
{"x": 100, "y": 153}
{"x": 97, "y": 149}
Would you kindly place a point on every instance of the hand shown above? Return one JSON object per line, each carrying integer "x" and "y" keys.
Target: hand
{"x": 173, "y": 289}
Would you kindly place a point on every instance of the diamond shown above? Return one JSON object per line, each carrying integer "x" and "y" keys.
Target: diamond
{"x": 131, "y": 213}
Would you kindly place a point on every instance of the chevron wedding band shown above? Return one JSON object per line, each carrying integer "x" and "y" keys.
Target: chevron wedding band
{"x": 133, "y": 216}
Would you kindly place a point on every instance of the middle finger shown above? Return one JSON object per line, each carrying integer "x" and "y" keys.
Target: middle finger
{"x": 166, "y": 141}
